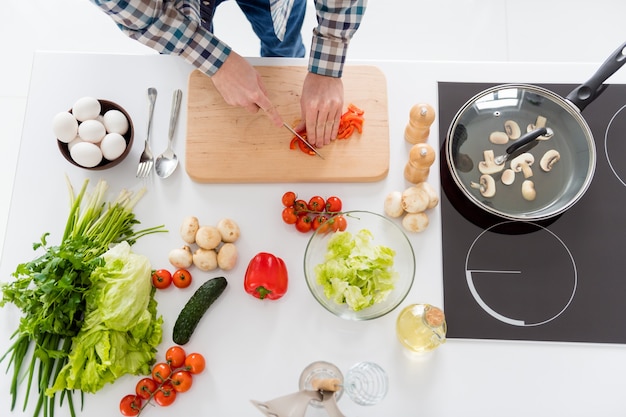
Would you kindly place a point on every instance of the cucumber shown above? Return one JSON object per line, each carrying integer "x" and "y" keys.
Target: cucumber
{"x": 195, "y": 308}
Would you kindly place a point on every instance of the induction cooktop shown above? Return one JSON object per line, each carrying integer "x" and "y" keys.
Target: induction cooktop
{"x": 557, "y": 280}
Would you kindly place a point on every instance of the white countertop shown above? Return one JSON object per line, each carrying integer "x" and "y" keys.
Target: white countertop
{"x": 256, "y": 350}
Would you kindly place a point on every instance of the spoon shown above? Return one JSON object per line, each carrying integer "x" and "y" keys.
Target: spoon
{"x": 167, "y": 162}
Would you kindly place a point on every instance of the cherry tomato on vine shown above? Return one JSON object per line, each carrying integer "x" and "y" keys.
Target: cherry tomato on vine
{"x": 146, "y": 387}
{"x": 333, "y": 204}
{"x": 289, "y": 215}
{"x": 289, "y": 198}
{"x": 339, "y": 223}
{"x": 161, "y": 371}
{"x": 181, "y": 278}
{"x": 300, "y": 206}
{"x": 175, "y": 357}
{"x": 316, "y": 203}
{"x": 318, "y": 221}
{"x": 161, "y": 278}
{"x": 130, "y": 405}
{"x": 165, "y": 395}
{"x": 181, "y": 381}
{"x": 195, "y": 363}
{"x": 304, "y": 224}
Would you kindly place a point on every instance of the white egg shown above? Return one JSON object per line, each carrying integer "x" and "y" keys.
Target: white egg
{"x": 91, "y": 131}
{"x": 113, "y": 145}
{"x": 86, "y": 154}
{"x": 86, "y": 108}
{"x": 115, "y": 122}
{"x": 73, "y": 142}
{"x": 65, "y": 126}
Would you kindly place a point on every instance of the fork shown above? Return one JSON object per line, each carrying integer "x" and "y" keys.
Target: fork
{"x": 146, "y": 161}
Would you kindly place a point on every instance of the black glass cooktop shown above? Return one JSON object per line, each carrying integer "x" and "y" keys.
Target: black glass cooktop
{"x": 562, "y": 280}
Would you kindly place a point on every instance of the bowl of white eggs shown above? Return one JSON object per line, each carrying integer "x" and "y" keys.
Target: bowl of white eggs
{"x": 94, "y": 134}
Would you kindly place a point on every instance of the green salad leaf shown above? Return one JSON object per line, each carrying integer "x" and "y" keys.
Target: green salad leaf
{"x": 121, "y": 330}
{"x": 356, "y": 271}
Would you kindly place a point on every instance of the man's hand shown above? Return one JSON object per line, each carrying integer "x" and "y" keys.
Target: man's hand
{"x": 321, "y": 105}
{"x": 240, "y": 85}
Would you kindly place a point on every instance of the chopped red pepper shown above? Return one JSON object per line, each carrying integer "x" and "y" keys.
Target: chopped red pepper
{"x": 266, "y": 277}
{"x": 350, "y": 121}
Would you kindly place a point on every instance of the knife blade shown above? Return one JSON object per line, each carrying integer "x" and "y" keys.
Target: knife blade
{"x": 292, "y": 130}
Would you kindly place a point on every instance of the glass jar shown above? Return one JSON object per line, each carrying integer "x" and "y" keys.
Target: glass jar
{"x": 421, "y": 327}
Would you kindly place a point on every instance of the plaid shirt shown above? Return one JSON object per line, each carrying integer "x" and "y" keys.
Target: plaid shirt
{"x": 173, "y": 27}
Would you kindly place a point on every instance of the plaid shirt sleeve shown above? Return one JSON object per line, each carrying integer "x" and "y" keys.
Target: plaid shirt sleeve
{"x": 169, "y": 27}
{"x": 337, "y": 20}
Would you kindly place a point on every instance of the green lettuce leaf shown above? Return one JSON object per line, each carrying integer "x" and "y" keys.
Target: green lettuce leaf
{"x": 121, "y": 329}
{"x": 356, "y": 271}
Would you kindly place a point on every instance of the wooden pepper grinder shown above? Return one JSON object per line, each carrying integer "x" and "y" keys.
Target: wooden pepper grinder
{"x": 421, "y": 157}
{"x": 421, "y": 117}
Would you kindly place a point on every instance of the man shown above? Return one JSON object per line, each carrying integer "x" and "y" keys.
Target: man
{"x": 184, "y": 27}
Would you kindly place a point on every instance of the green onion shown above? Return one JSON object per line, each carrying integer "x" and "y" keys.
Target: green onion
{"x": 50, "y": 290}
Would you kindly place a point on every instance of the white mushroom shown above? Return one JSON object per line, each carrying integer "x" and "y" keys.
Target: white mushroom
{"x": 498, "y": 138}
{"x": 188, "y": 229}
{"x": 508, "y": 177}
{"x": 539, "y": 123}
{"x": 415, "y": 222}
{"x": 433, "y": 198}
{"x": 229, "y": 230}
{"x": 208, "y": 237}
{"x": 522, "y": 163}
{"x": 549, "y": 159}
{"x": 205, "y": 259}
{"x": 512, "y": 129}
{"x": 486, "y": 186}
{"x": 488, "y": 165}
{"x": 528, "y": 190}
{"x": 414, "y": 200}
{"x": 227, "y": 256}
{"x": 181, "y": 257}
{"x": 393, "y": 204}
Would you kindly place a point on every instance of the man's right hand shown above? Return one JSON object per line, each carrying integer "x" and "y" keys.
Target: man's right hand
{"x": 241, "y": 85}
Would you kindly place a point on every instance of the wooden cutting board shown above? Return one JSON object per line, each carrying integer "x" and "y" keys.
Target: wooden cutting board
{"x": 227, "y": 144}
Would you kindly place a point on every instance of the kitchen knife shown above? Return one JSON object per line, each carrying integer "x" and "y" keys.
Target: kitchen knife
{"x": 302, "y": 139}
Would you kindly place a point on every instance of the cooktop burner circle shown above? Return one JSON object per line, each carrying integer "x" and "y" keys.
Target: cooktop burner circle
{"x": 521, "y": 280}
{"x": 615, "y": 144}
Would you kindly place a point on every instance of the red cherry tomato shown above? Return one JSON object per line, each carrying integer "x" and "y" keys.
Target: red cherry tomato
{"x": 304, "y": 224}
{"x": 318, "y": 221}
{"x": 333, "y": 204}
{"x": 181, "y": 278}
{"x": 181, "y": 381}
{"x": 165, "y": 395}
{"x": 161, "y": 278}
{"x": 316, "y": 203}
{"x": 339, "y": 223}
{"x": 195, "y": 363}
{"x": 161, "y": 371}
{"x": 289, "y": 215}
{"x": 130, "y": 405}
{"x": 300, "y": 206}
{"x": 145, "y": 388}
{"x": 175, "y": 357}
{"x": 289, "y": 198}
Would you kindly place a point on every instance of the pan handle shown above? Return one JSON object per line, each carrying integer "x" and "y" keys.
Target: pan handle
{"x": 590, "y": 90}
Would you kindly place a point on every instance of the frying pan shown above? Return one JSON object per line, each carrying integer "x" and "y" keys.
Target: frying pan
{"x": 547, "y": 147}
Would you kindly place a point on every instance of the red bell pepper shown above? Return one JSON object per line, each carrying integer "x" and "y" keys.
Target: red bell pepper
{"x": 266, "y": 277}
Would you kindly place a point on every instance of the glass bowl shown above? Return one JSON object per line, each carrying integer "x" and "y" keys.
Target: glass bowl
{"x": 105, "y": 105}
{"x": 383, "y": 233}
